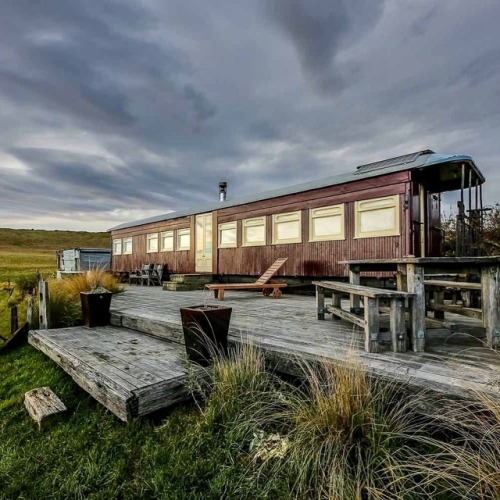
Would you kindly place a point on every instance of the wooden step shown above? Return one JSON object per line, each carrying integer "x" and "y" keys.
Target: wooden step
{"x": 191, "y": 278}
{"x": 174, "y": 286}
{"x": 129, "y": 373}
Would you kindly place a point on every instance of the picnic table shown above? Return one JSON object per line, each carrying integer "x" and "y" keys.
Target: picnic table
{"x": 414, "y": 275}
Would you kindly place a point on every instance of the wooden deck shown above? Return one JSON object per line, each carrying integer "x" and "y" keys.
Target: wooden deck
{"x": 133, "y": 374}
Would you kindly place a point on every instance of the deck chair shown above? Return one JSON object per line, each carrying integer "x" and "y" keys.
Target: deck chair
{"x": 156, "y": 274}
{"x": 262, "y": 283}
{"x": 146, "y": 271}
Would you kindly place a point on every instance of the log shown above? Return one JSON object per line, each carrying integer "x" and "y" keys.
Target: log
{"x": 19, "y": 337}
{"x": 43, "y": 406}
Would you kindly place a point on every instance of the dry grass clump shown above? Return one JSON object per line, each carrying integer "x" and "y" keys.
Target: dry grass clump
{"x": 238, "y": 392}
{"x": 342, "y": 428}
{"x": 90, "y": 280}
{"x": 64, "y": 296}
{"x": 466, "y": 461}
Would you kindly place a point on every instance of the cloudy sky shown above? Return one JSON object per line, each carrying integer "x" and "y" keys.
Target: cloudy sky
{"x": 112, "y": 111}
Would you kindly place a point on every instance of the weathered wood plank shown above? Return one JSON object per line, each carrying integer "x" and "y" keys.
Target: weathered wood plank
{"x": 490, "y": 280}
{"x": 348, "y": 316}
{"x": 415, "y": 283}
{"x": 458, "y": 285}
{"x": 365, "y": 291}
{"x": 463, "y": 311}
{"x": 397, "y": 321}
{"x": 43, "y": 406}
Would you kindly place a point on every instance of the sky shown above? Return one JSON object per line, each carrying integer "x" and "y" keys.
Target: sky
{"x": 112, "y": 111}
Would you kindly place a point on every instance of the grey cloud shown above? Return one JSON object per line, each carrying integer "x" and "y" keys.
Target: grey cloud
{"x": 320, "y": 28}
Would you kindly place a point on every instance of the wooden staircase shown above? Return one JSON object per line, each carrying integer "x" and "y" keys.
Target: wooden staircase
{"x": 187, "y": 282}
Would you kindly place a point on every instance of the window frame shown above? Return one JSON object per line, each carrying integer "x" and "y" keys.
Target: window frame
{"x": 149, "y": 237}
{"x": 392, "y": 201}
{"x": 298, "y": 218}
{"x": 162, "y": 247}
{"x": 130, "y": 240}
{"x": 253, "y": 222}
{"x": 115, "y": 241}
{"x": 225, "y": 226}
{"x": 315, "y": 213}
{"x": 182, "y": 232}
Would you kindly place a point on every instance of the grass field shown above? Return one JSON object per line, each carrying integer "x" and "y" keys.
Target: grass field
{"x": 23, "y": 251}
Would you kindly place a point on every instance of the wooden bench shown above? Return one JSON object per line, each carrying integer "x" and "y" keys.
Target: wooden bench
{"x": 371, "y": 315}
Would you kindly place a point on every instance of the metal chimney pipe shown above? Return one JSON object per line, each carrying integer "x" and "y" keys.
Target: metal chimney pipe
{"x": 222, "y": 190}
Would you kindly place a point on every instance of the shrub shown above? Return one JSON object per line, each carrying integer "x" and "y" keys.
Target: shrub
{"x": 26, "y": 283}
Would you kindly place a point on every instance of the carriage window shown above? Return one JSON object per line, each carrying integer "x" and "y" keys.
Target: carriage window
{"x": 287, "y": 228}
{"x": 152, "y": 245}
{"x": 183, "y": 239}
{"x": 227, "y": 235}
{"x": 127, "y": 246}
{"x": 167, "y": 241}
{"x": 377, "y": 217}
{"x": 326, "y": 223}
{"x": 254, "y": 232}
{"x": 117, "y": 247}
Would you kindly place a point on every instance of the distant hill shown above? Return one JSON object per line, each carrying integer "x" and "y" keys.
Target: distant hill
{"x": 22, "y": 251}
{"x": 38, "y": 239}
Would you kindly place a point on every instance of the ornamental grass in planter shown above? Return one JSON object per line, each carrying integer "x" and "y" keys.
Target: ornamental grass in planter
{"x": 205, "y": 329}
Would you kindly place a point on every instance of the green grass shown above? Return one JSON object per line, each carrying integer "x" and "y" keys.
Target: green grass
{"x": 90, "y": 454}
{"x": 250, "y": 435}
{"x": 24, "y": 250}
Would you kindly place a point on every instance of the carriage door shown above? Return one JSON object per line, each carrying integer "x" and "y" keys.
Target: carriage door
{"x": 434, "y": 231}
{"x": 203, "y": 243}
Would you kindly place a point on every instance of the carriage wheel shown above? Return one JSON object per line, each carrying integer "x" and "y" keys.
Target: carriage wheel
{"x": 266, "y": 291}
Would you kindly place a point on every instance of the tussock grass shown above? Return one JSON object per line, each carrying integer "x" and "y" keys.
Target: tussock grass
{"x": 84, "y": 282}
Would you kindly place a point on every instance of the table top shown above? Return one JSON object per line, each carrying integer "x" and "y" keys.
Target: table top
{"x": 433, "y": 262}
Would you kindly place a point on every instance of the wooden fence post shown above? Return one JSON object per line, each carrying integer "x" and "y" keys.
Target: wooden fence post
{"x": 43, "y": 307}
{"x": 29, "y": 312}
{"x": 14, "y": 321}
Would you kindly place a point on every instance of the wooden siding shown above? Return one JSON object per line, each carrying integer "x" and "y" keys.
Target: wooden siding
{"x": 314, "y": 259}
{"x": 177, "y": 261}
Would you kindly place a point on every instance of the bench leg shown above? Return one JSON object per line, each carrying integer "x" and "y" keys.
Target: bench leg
{"x": 354, "y": 300}
{"x": 372, "y": 327}
{"x": 216, "y": 293}
{"x": 397, "y": 320}
{"x": 221, "y": 294}
{"x": 320, "y": 302}
{"x": 415, "y": 280}
{"x": 439, "y": 299}
{"x": 336, "y": 302}
{"x": 277, "y": 293}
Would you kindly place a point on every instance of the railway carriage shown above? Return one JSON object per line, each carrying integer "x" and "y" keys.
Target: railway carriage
{"x": 385, "y": 209}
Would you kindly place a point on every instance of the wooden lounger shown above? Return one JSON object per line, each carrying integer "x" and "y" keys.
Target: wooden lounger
{"x": 262, "y": 283}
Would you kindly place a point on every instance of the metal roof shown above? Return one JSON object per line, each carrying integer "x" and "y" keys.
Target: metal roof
{"x": 420, "y": 159}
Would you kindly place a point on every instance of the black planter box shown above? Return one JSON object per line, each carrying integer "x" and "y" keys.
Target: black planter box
{"x": 95, "y": 308}
{"x": 205, "y": 331}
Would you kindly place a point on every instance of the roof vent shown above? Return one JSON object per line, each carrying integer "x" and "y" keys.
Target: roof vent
{"x": 222, "y": 190}
{"x": 392, "y": 162}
